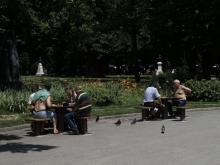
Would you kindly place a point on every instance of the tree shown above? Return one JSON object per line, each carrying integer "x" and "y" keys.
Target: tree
{"x": 186, "y": 28}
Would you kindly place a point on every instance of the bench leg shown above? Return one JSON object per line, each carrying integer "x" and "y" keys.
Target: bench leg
{"x": 83, "y": 126}
{"x": 37, "y": 127}
{"x": 165, "y": 113}
{"x": 182, "y": 113}
{"x": 145, "y": 114}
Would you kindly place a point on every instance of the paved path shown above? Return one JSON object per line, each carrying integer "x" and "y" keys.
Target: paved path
{"x": 193, "y": 142}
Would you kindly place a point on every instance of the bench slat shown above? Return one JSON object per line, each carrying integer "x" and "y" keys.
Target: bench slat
{"x": 37, "y": 120}
{"x": 145, "y": 107}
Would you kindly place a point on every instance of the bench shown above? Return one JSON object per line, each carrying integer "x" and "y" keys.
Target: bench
{"x": 149, "y": 113}
{"x": 146, "y": 112}
{"x": 180, "y": 111}
{"x": 83, "y": 125}
{"x": 37, "y": 125}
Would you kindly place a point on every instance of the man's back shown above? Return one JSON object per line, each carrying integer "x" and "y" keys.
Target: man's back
{"x": 41, "y": 98}
{"x": 150, "y": 94}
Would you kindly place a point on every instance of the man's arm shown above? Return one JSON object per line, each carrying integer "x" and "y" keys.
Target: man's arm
{"x": 186, "y": 89}
{"x": 48, "y": 102}
{"x": 86, "y": 102}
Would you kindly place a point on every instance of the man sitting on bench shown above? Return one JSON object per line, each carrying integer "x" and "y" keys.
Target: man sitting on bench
{"x": 152, "y": 99}
{"x": 180, "y": 97}
{"x": 42, "y": 102}
{"x": 82, "y": 108}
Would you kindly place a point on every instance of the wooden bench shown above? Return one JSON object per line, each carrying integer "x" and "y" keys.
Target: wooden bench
{"x": 37, "y": 125}
{"x": 83, "y": 125}
{"x": 146, "y": 112}
{"x": 180, "y": 111}
{"x": 150, "y": 113}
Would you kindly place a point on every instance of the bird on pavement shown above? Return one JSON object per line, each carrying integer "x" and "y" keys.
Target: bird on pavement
{"x": 133, "y": 121}
{"x": 163, "y": 129}
{"x": 118, "y": 122}
{"x": 97, "y": 119}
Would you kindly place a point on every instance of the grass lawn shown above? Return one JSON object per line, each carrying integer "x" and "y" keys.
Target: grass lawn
{"x": 123, "y": 109}
{"x": 20, "y": 119}
{"x": 107, "y": 111}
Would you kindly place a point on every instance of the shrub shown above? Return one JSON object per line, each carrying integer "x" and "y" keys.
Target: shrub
{"x": 166, "y": 82}
{"x": 104, "y": 93}
{"x": 58, "y": 92}
{"x": 14, "y": 101}
{"x": 205, "y": 90}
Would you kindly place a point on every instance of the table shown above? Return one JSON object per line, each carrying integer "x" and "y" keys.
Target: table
{"x": 179, "y": 110}
{"x": 61, "y": 111}
{"x": 165, "y": 101}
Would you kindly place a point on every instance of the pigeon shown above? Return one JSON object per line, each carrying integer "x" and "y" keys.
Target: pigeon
{"x": 133, "y": 121}
{"x": 118, "y": 122}
{"x": 163, "y": 129}
{"x": 97, "y": 119}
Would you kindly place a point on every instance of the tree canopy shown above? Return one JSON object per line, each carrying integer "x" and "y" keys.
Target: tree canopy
{"x": 82, "y": 37}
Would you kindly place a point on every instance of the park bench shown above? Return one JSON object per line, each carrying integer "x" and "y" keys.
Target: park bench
{"x": 149, "y": 113}
{"x": 37, "y": 125}
{"x": 83, "y": 125}
{"x": 180, "y": 111}
{"x": 145, "y": 112}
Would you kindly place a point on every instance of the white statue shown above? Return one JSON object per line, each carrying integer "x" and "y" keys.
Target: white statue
{"x": 159, "y": 68}
{"x": 40, "y": 70}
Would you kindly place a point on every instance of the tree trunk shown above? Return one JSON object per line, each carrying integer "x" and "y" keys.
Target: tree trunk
{"x": 9, "y": 63}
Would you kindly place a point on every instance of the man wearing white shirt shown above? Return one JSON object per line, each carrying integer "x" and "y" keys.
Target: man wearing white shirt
{"x": 152, "y": 99}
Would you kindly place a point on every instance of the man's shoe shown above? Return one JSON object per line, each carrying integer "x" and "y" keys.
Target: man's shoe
{"x": 74, "y": 132}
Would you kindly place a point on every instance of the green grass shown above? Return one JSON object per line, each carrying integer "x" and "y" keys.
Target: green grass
{"x": 8, "y": 123}
{"x": 114, "y": 110}
{"x": 203, "y": 104}
{"x": 133, "y": 108}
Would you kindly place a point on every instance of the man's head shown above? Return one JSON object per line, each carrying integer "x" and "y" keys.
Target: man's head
{"x": 70, "y": 91}
{"x": 155, "y": 84}
{"x": 40, "y": 85}
{"x": 176, "y": 82}
{"x": 78, "y": 89}
{"x": 46, "y": 86}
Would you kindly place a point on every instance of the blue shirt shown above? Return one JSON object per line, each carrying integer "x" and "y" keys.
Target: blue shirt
{"x": 150, "y": 94}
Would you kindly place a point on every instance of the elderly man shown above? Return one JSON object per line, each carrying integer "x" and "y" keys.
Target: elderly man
{"x": 180, "y": 95}
{"x": 82, "y": 108}
{"x": 152, "y": 99}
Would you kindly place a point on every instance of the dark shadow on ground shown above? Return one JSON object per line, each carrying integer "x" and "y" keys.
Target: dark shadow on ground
{"x": 178, "y": 120}
{"x": 148, "y": 119}
{"x": 45, "y": 132}
{"x": 9, "y": 137}
{"x": 24, "y": 148}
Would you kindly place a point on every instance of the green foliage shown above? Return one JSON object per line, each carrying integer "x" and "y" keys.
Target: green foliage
{"x": 205, "y": 90}
{"x": 166, "y": 82}
{"x": 14, "y": 101}
{"x": 103, "y": 94}
{"x": 58, "y": 92}
{"x": 182, "y": 72}
{"x": 76, "y": 37}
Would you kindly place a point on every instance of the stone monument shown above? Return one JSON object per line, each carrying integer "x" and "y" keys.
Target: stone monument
{"x": 159, "y": 68}
{"x": 40, "y": 70}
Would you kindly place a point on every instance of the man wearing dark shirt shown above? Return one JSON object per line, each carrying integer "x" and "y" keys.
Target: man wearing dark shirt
{"x": 82, "y": 108}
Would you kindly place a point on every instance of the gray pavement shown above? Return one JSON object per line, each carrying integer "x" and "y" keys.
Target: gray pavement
{"x": 195, "y": 141}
